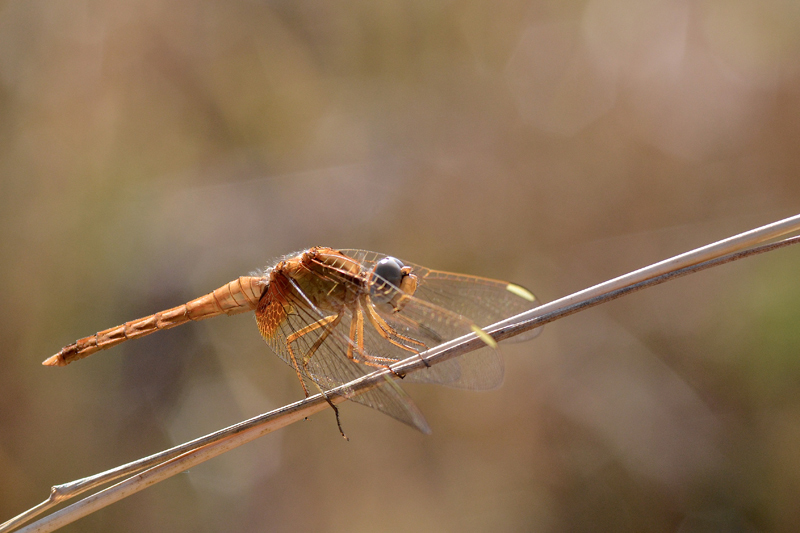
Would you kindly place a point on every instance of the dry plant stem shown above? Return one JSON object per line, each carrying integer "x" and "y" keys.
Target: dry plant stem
{"x": 67, "y": 491}
{"x": 679, "y": 262}
{"x": 188, "y": 455}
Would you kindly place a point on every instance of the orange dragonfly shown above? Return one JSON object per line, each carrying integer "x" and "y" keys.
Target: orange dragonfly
{"x": 335, "y": 315}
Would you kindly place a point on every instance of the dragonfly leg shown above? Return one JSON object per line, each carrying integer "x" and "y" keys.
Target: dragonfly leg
{"x": 356, "y": 336}
{"x": 335, "y": 409}
{"x": 329, "y": 323}
{"x": 388, "y": 332}
{"x": 296, "y": 335}
{"x": 374, "y": 360}
{"x": 357, "y": 341}
{"x": 417, "y": 325}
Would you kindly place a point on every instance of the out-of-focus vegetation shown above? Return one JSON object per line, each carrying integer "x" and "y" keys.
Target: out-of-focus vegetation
{"x": 151, "y": 151}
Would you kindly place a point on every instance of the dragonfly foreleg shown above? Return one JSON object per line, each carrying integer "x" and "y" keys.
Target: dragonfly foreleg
{"x": 389, "y": 333}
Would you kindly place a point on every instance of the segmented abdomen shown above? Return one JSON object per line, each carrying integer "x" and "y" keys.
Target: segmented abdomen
{"x": 236, "y": 297}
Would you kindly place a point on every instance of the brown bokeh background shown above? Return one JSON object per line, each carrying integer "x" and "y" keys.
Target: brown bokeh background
{"x": 151, "y": 151}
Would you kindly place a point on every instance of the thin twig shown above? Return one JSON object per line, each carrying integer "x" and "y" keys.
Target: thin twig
{"x": 166, "y": 464}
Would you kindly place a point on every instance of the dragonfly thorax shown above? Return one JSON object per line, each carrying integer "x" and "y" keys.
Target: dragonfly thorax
{"x": 328, "y": 279}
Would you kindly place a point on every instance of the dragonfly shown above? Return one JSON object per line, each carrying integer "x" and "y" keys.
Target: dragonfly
{"x": 336, "y": 315}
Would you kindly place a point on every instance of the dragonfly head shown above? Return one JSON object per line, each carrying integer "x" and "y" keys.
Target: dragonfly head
{"x": 393, "y": 281}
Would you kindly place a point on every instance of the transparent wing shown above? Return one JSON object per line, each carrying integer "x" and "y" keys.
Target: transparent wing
{"x": 486, "y": 301}
{"x": 483, "y": 300}
{"x": 446, "y": 306}
{"x": 321, "y": 353}
{"x": 431, "y": 325}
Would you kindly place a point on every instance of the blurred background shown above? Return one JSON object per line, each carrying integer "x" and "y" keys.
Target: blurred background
{"x": 152, "y": 151}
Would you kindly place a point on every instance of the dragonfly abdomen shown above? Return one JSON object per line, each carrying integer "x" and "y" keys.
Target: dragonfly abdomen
{"x": 238, "y": 296}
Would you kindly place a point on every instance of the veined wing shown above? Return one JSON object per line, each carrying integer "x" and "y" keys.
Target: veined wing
{"x": 321, "y": 353}
{"x": 446, "y": 306}
{"x": 483, "y": 300}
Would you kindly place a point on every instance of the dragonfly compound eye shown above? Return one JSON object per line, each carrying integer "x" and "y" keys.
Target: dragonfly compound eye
{"x": 386, "y": 270}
